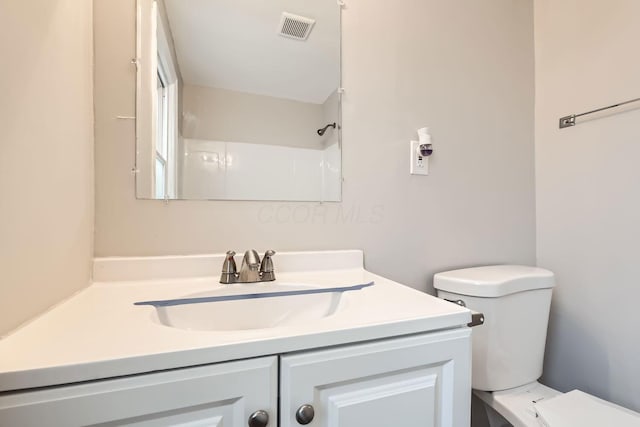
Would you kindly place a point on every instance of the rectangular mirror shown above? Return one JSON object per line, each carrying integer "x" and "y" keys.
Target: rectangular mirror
{"x": 238, "y": 100}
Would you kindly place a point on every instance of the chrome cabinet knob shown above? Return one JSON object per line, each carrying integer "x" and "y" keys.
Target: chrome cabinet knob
{"x": 305, "y": 414}
{"x": 259, "y": 419}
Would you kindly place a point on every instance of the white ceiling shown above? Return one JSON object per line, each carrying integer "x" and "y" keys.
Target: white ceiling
{"x": 234, "y": 45}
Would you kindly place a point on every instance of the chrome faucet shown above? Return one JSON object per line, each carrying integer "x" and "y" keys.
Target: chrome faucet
{"x": 251, "y": 271}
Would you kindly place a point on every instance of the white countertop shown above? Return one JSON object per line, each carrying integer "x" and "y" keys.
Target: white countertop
{"x": 99, "y": 333}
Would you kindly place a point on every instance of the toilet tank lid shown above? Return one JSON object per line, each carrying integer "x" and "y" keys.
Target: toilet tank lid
{"x": 493, "y": 281}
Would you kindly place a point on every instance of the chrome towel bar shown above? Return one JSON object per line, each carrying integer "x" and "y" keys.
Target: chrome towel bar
{"x": 568, "y": 121}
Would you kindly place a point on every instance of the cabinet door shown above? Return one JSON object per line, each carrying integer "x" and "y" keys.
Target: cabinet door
{"x": 218, "y": 395}
{"x": 416, "y": 381}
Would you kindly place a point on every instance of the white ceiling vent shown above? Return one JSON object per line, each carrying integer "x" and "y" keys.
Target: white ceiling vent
{"x": 295, "y": 26}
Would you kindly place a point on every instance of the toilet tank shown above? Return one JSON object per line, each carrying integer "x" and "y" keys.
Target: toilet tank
{"x": 508, "y": 349}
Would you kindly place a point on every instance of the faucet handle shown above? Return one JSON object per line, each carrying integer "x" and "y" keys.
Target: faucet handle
{"x": 229, "y": 265}
{"x": 267, "y": 272}
{"x": 229, "y": 269}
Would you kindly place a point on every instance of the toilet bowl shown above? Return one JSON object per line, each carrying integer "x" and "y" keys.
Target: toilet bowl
{"x": 508, "y": 350}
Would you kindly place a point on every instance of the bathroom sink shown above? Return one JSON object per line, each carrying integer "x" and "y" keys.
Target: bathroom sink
{"x": 251, "y": 313}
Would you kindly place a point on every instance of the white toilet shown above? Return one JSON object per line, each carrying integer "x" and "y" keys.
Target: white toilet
{"x": 508, "y": 350}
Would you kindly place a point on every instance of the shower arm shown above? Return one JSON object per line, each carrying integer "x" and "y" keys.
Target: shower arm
{"x": 324, "y": 129}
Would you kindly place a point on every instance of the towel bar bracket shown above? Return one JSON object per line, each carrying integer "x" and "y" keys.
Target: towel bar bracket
{"x": 567, "y": 121}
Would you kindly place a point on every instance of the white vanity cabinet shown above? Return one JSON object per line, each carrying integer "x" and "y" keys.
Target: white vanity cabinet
{"x": 217, "y": 395}
{"x": 420, "y": 380}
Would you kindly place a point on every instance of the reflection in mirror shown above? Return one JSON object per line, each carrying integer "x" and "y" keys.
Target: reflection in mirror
{"x": 238, "y": 100}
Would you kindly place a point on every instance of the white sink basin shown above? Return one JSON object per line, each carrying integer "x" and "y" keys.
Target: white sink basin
{"x": 258, "y": 313}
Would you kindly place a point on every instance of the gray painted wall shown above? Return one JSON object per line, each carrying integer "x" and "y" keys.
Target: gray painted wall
{"x": 464, "y": 68}
{"x": 587, "y": 181}
{"x": 46, "y": 155}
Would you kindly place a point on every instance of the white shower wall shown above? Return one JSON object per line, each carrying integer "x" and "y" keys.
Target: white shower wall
{"x": 331, "y": 172}
{"x": 244, "y": 171}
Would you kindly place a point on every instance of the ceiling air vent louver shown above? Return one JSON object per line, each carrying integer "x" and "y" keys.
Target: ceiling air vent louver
{"x": 294, "y": 26}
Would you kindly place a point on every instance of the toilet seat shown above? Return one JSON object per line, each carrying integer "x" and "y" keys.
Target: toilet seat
{"x": 577, "y": 408}
{"x": 535, "y": 405}
{"x": 516, "y": 405}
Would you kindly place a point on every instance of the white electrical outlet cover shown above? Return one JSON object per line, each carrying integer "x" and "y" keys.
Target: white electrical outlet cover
{"x": 418, "y": 165}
